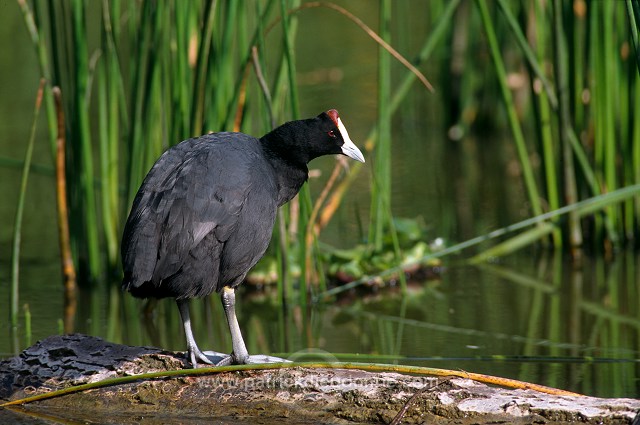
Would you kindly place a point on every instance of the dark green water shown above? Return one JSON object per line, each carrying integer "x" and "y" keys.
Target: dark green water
{"x": 531, "y": 316}
{"x": 526, "y": 318}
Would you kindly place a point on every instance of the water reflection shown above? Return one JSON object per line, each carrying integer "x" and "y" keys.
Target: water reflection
{"x": 535, "y": 319}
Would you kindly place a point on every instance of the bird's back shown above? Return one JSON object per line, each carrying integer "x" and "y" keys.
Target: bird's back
{"x": 201, "y": 219}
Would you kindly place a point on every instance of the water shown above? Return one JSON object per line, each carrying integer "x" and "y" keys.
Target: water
{"x": 527, "y": 318}
{"x": 532, "y": 316}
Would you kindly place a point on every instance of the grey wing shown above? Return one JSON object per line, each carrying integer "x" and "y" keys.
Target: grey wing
{"x": 140, "y": 239}
{"x": 189, "y": 195}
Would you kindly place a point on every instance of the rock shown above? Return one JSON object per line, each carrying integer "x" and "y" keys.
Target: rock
{"x": 296, "y": 395}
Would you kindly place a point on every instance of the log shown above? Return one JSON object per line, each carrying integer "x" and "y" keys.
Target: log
{"x": 296, "y": 395}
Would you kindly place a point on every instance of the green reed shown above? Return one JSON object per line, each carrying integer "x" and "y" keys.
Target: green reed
{"x": 17, "y": 228}
{"x": 381, "y": 186}
{"x": 138, "y": 86}
{"x": 39, "y": 43}
{"x": 542, "y": 105}
{"x": 381, "y": 221}
{"x": 514, "y": 122}
{"x": 594, "y": 139}
{"x": 171, "y": 70}
{"x": 110, "y": 95}
{"x": 561, "y": 73}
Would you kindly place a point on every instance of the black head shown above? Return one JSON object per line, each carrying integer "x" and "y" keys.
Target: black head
{"x": 303, "y": 140}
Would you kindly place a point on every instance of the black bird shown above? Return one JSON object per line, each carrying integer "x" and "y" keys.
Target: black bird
{"x": 205, "y": 212}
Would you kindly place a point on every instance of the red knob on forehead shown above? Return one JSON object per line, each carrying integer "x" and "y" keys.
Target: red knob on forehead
{"x": 333, "y": 114}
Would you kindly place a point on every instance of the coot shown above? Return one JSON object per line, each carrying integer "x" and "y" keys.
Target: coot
{"x": 205, "y": 212}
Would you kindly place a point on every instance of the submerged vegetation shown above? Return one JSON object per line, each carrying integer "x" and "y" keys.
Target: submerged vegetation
{"x": 138, "y": 77}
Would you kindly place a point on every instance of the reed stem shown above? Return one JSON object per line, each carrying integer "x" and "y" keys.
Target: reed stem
{"x": 570, "y": 189}
{"x": 514, "y": 122}
{"x": 17, "y": 228}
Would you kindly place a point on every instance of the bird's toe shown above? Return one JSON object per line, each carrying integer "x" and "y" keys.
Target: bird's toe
{"x": 196, "y": 356}
{"x": 226, "y": 361}
{"x": 232, "y": 359}
{"x": 263, "y": 358}
{"x": 255, "y": 359}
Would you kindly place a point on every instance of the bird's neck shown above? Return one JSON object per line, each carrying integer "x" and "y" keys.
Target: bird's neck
{"x": 290, "y": 172}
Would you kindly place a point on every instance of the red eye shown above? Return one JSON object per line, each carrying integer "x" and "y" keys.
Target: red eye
{"x": 332, "y": 134}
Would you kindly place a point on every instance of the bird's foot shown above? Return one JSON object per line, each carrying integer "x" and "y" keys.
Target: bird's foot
{"x": 263, "y": 358}
{"x": 256, "y": 359}
{"x": 196, "y": 355}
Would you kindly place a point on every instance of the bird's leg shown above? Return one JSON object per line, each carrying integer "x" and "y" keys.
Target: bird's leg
{"x": 194, "y": 352}
{"x": 240, "y": 355}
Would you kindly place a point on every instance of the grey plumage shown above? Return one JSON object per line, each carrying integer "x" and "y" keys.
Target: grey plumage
{"x": 204, "y": 214}
{"x": 187, "y": 212}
